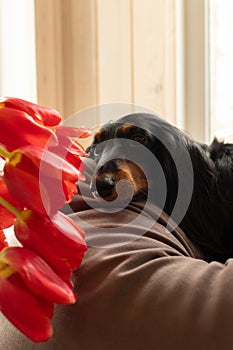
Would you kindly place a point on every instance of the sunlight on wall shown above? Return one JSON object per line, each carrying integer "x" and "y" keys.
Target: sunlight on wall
{"x": 17, "y": 45}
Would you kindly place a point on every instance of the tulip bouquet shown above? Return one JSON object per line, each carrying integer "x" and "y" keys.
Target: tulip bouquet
{"x": 42, "y": 163}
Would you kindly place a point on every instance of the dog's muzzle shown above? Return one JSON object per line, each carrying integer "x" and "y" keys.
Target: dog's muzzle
{"x": 118, "y": 179}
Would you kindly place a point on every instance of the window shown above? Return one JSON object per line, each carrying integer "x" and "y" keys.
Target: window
{"x": 221, "y": 68}
{"x": 208, "y": 68}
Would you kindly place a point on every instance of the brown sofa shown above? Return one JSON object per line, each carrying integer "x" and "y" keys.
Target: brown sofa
{"x": 141, "y": 286}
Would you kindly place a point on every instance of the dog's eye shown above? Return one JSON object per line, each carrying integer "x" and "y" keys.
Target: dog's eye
{"x": 139, "y": 138}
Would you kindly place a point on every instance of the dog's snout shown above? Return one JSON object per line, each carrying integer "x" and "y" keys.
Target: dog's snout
{"x": 107, "y": 181}
{"x": 104, "y": 185}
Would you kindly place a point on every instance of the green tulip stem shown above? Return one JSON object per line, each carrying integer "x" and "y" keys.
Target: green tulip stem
{"x": 9, "y": 207}
{"x": 4, "y": 153}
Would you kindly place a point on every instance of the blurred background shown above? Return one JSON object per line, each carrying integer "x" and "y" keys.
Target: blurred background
{"x": 173, "y": 57}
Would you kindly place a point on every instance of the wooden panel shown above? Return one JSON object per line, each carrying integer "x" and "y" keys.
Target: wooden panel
{"x": 114, "y": 51}
{"x": 49, "y": 53}
{"x": 66, "y": 54}
{"x": 154, "y": 55}
{"x": 195, "y": 83}
{"x": 79, "y": 49}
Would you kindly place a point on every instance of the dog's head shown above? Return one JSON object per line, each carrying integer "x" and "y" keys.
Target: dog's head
{"x": 125, "y": 151}
{"x": 113, "y": 149}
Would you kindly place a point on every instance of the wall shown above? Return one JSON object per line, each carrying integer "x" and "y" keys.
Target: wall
{"x": 93, "y": 52}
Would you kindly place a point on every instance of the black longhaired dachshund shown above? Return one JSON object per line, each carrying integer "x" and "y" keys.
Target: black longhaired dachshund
{"x": 192, "y": 182}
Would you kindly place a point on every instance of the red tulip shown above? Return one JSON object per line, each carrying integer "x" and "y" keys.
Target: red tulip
{"x": 3, "y": 242}
{"x": 19, "y": 129}
{"x": 41, "y": 114}
{"x": 7, "y": 218}
{"x": 39, "y": 179}
{"x": 37, "y": 275}
{"x": 70, "y": 150}
{"x": 24, "y": 311}
{"x": 57, "y": 239}
{"x": 28, "y": 289}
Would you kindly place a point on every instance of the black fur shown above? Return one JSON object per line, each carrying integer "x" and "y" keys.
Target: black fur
{"x": 209, "y": 218}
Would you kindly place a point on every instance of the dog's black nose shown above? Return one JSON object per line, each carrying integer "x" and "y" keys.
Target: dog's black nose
{"x": 104, "y": 185}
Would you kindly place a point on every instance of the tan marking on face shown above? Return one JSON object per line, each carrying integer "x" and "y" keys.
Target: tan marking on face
{"x": 135, "y": 175}
{"x": 126, "y": 128}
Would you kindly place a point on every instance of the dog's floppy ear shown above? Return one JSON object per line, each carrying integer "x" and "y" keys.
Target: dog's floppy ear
{"x": 96, "y": 140}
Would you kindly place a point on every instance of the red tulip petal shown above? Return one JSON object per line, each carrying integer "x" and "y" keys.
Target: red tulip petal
{"x": 3, "y": 242}
{"x": 46, "y": 162}
{"x": 40, "y": 279}
{"x": 41, "y": 114}
{"x": 19, "y": 129}
{"x": 35, "y": 240}
{"x": 26, "y": 313}
{"x": 72, "y": 237}
{"x": 69, "y": 131}
{"x": 26, "y": 189}
{"x": 66, "y": 144}
{"x": 46, "y": 306}
{"x": 6, "y": 217}
{"x": 72, "y": 152}
{"x": 78, "y": 149}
